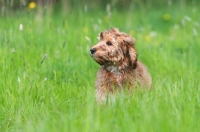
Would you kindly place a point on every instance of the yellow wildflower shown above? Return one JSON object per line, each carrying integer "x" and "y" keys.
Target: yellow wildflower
{"x": 85, "y": 29}
{"x": 147, "y": 38}
{"x": 132, "y": 33}
{"x": 166, "y": 17}
{"x": 32, "y": 5}
{"x": 106, "y": 19}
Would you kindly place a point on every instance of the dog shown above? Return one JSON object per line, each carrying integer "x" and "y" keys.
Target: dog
{"x": 120, "y": 69}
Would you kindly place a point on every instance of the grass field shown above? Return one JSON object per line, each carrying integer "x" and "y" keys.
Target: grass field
{"x": 57, "y": 95}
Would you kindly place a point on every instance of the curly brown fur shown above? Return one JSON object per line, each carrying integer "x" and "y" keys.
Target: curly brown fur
{"x": 120, "y": 69}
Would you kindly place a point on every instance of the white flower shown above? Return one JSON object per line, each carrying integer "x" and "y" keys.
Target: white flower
{"x": 188, "y": 18}
{"x": 20, "y": 27}
{"x": 45, "y": 79}
{"x": 99, "y": 21}
{"x": 96, "y": 27}
{"x": 88, "y": 39}
{"x": 13, "y": 50}
{"x": 18, "y": 78}
{"x": 183, "y": 22}
{"x": 153, "y": 34}
{"x": 176, "y": 26}
{"x": 85, "y": 8}
{"x": 108, "y": 8}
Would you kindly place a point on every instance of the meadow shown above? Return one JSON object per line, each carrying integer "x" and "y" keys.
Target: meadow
{"x": 47, "y": 75}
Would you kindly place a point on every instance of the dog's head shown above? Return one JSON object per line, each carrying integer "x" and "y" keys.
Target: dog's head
{"x": 115, "y": 49}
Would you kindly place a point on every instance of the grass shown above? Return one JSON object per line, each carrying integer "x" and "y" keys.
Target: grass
{"x": 58, "y": 95}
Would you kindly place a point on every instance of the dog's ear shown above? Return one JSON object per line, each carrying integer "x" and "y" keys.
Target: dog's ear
{"x": 132, "y": 56}
{"x": 130, "y": 40}
{"x": 131, "y": 51}
{"x": 100, "y": 36}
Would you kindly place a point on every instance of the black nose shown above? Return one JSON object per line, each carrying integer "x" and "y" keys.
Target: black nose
{"x": 92, "y": 50}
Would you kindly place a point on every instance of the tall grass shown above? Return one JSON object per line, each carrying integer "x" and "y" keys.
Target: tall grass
{"x": 58, "y": 94}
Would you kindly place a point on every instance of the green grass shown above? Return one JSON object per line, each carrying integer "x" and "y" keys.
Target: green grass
{"x": 58, "y": 95}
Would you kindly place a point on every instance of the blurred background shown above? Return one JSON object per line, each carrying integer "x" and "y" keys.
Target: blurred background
{"x": 51, "y": 6}
{"x": 47, "y": 75}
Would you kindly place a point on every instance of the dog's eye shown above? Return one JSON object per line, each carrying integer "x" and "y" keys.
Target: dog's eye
{"x": 108, "y": 43}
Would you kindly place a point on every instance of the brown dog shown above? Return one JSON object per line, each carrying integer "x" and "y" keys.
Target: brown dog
{"x": 120, "y": 69}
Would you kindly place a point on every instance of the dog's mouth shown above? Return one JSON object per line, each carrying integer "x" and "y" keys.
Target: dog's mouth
{"x": 99, "y": 60}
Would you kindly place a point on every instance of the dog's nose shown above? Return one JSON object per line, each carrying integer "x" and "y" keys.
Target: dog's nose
{"x": 92, "y": 50}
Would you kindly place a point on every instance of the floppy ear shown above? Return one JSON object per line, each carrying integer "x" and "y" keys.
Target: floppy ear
{"x": 132, "y": 53}
{"x": 130, "y": 40}
{"x": 132, "y": 56}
